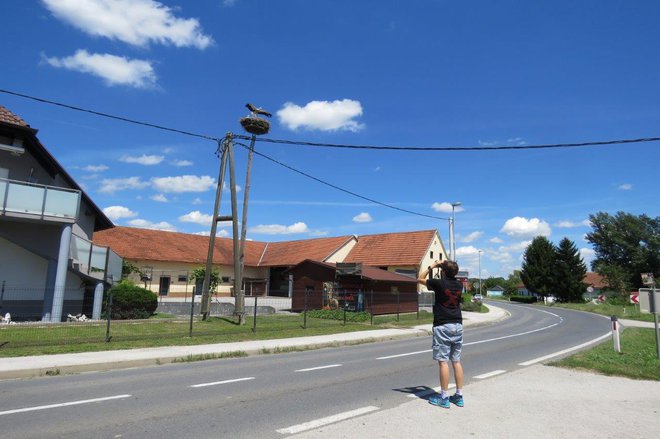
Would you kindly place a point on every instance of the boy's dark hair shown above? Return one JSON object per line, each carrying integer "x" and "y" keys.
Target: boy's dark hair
{"x": 449, "y": 269}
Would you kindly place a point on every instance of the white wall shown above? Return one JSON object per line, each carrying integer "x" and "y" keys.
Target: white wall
{"x": 20, "y": 268}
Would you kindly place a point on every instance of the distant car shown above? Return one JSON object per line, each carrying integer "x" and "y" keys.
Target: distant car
{"x": 478, "y": 298}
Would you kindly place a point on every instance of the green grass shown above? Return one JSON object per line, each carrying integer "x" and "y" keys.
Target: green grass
{"x": 621, "y": 311}
{"x": 41, "y": 339}
{"x": 637, "y": 360}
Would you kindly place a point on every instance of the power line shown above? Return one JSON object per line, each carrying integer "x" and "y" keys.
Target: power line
{"x": 457, "y": 148}
{"x": 217, "y": 140}
{"x": 342, "y": 189}
{"x": 110, "y": 116}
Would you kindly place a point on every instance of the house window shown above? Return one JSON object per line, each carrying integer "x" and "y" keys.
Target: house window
{"x": 225, "y": 279}
{"x": 431, "y": 254}
{"x": 183, "y": 278}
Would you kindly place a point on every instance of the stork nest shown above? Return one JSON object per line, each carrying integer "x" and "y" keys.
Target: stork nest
{"x": 255, "y": 125}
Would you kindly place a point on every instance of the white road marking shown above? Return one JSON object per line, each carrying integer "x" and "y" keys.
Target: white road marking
{"x": 318, "y": 367}
{"x": 565, "y": 351}
{"x": 327, "y": 420}
{"x": 512, "y": 335}
{"x": 216, "y": 383}
{"x": 428, "y": 392}
{"x": 63, "y": 404}
{"x": 404, "y": 355}
{"x": 489, "y": 374}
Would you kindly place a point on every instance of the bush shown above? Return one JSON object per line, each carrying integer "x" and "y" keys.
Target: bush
{"x": 523, "y": 299}
{"x": 338, "y": 314}
{"x": 130, "y": 301}
{"x": 471, "y": 306}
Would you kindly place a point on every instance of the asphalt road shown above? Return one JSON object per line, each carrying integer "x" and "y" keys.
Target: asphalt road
{"x": 272, "y": 396}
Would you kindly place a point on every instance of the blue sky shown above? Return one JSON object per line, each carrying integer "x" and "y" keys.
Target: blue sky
{"x": 415, "y": 73}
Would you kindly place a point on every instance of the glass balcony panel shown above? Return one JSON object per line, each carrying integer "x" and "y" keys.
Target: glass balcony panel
{"x": 61, "y": 203}
{"x": 3, "y": 188}
{"x": 114, "y": 267}
{"x": 25, "y": 199}
{"x": 79, "y": 251}
{"x": 99, "y": 255}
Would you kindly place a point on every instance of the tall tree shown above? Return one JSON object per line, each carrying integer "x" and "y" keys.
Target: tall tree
{"x": 626, "y": 245}
{"x": 538, "y": 267}
{"x": 569, "y": 272}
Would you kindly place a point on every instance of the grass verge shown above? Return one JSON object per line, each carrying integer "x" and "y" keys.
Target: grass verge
{"x": 637, "y": 360}
{"x": 607, "y": 309}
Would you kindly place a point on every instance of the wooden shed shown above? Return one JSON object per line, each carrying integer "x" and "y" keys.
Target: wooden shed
{"x": 354, "y": 287}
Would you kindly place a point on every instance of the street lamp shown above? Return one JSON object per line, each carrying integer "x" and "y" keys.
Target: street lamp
{"x": 452, "y": 239}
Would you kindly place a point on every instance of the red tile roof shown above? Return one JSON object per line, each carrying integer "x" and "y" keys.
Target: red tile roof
{"x": 157, "y": 245}
{"x": 7, "y": 116}
{"x": 595, "y": 280}
{"x": 371, "y": 273}
{"x": 292, "y": 252}
{"x": 406, "y": 248}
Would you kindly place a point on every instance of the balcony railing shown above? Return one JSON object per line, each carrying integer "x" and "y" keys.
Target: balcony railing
{"x": 31, "y": 200}
{"x": 94, "y": 260}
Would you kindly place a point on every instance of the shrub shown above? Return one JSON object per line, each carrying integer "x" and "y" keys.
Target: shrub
{"x": 130, "y": 301}
{"x": 338, "y": 314}
{"x": 471, "y": 306}
{"x": 523, "y": 299}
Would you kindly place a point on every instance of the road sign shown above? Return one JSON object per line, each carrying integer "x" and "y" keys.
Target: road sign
{"x": 647, "y": 279}
{"x": 601, "y": 298}
{"x": 645, "y": 300}
{"x": 634, "y": 298}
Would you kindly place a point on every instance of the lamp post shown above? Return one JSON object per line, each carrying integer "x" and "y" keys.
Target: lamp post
{"x": 452, "y": 243}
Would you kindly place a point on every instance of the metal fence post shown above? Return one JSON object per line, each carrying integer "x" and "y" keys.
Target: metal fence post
{"x": 254, "y": 320}
{"x": 192, "y": 311}
{"x": 305, "y": 310}
{"x": 107, "y": 327}
{"x": 372, "y": 307}
{"x": 345, "y": 305}
{"x": 398, "y": 300}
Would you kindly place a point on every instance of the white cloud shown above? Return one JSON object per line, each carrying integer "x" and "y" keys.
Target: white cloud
{"x": 115, "y": 70}
{"x": 488, "y": 143}
{"x": 135, "y": 22}
{"x": 225, "y": 187}
{"x": 183, "y": 183}
{"x": 322, "y": 115}
{"x": 220, "y": 233}
{"x": 517, "y": 247}
{"x": 197, "y": 217}
{"x": 363, "y": 217}
{"x": 144, "y": 224}
{"x": 471, "y": 237}
{"x": 160, "y": 198}
{"x": 112, "y": 185}
{"x": 467, "y": 251}
{"x": 626, "y": 187}
{"x": 118, "y": 212}
{"x": 197, "y": 201}
{"x": 496, "y": 240}
{"x": 445, "y": 207}
{"x": 147, "y": 160}
{"x": 523, "y": 228}
{"x": 518, "y": 141}
{"x": 182, "y": 163}
{"x": 587, "y": 255}
{"x": 277, "y": 229}
{"x": 572, "y": 224}
{"x": 95, "y": 168}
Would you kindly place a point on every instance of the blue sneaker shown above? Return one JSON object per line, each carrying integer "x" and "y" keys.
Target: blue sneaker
{"x": 440, "y": 402}
{"x": 456, "y": 399}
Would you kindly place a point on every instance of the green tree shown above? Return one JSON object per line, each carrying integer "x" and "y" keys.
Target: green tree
{"x": 569, "y": 272}
{"x": 128, "y": 268}
{"x": 626, "y": 245}
{"x": 198, "y": 276}
{"x": 512, "y": 283}
{"x": 538, "y": 267}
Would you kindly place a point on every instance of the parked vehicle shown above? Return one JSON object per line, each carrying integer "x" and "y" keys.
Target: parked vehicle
{"x": 477, "y": 298}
